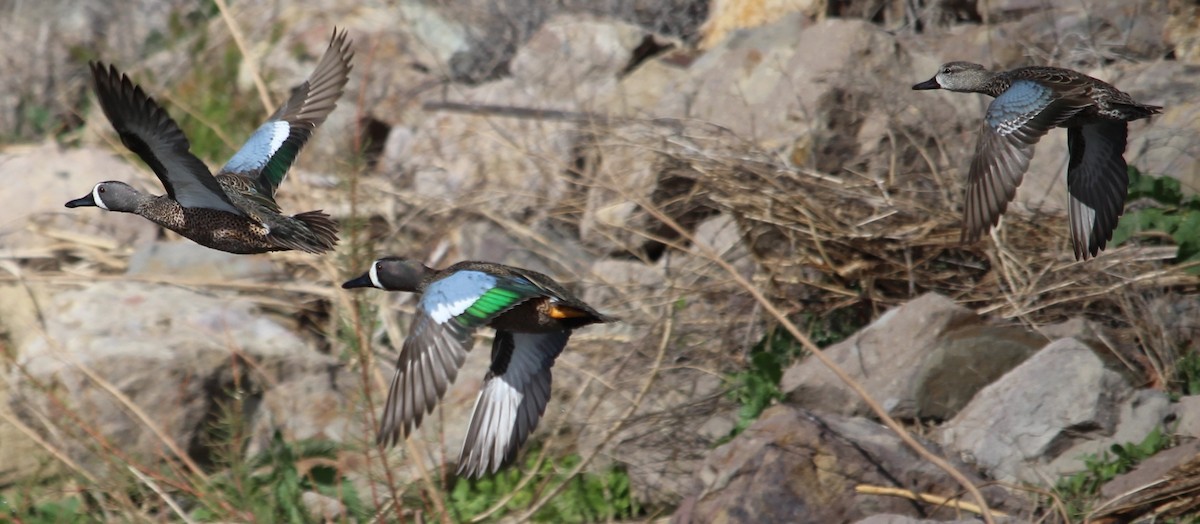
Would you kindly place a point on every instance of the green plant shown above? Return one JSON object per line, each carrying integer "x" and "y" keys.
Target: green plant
{"x": 588, "y": 497}
{"x": 268, "y": 486}
{"x": 1187, "y": 374}
{"x": 1078, "y": 491}
{"x": 1176, "y": 216}
{"x": 68, "y": 510}
{"x": 757, "y": 387}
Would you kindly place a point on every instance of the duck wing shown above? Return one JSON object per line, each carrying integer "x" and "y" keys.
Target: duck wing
{"x": 512, "y": 401}
{"x": 1014, "y": 123}
{"x": 267, "y": 155}
{"x": 1098, "y": 181}
{"x": 449, "y": 312}
{"x": 147, "y": 130}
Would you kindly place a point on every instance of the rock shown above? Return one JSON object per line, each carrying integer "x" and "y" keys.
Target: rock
{"x": 174, "y": 353}
{"x": 315, "y": 398}
{"x": 39, "y": 179}
{"x": 1150, "y": 470}
{"x": 1167, "y": 496}
{"x": 1187, "y": 416}
{"x": 538, "y": 247}
{"x": 948, "y": 353}
{"x": 1170, "y": 146}
{"x": 454, "y": 155}
{"x": 902, "y": 519}
{"x": 1015, "y": 427}
{"x": 187, "y": 260}
{"x": 1182, "y": 30}
{"x": 46, "y": 45}
{"x": 1137, "y": 416}
{"x": 965, "y": 361}
{"x": 797, "y": 466}
{"x": 727, "y": 16}
{"x": 570, "y": 60}
{"x": 327, "y": 508}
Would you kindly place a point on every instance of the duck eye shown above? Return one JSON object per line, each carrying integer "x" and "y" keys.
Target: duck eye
{"x": 101, "y": 189}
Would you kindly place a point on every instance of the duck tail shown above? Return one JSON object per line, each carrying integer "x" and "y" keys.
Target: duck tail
{"x": 1138, "y": 111}
{"x": 322, "y": 227}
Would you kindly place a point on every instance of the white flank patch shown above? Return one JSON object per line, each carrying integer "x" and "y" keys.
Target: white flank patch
{"x": 375, "y": 275}
{"x": 96, "y": 197}
{"x": 450, "y": 296}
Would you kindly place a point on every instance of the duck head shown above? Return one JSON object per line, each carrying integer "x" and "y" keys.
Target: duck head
{"x": 957, "y": 76}
{"x": 110, "y": 196}
{"x": 392, "y": 274}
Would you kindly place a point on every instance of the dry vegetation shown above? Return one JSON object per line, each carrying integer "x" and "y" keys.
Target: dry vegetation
{"x": 820, "y": 242}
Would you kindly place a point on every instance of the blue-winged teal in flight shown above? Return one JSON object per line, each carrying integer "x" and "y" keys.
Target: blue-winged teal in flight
{"x": 533, "y": 317}
{"x": 234, "y": 211}
{"x": 1029, "y": 102}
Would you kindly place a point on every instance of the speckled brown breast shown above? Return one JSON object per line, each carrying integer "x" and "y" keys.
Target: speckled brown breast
{"x": 211, "y": 228}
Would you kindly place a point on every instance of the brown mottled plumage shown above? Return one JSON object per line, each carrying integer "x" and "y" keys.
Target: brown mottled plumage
{"x": 1029, "y": 102}
{"x": 234, "y": 211}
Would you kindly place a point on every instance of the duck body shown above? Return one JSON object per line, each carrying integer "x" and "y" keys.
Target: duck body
{"x": 235, "y": 210}
{"x": 533, "y": 317}
{"x": 241, "y": 234}
{"x": 1029, "y": 102}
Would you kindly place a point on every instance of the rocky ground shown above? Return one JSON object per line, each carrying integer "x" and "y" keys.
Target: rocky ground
{"x": 707, "y": 171}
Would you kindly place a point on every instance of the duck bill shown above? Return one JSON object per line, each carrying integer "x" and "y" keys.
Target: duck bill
{"x": 363, "y": 280}
{"x": 928, "y": 84}
{"x": 88, "y": 200}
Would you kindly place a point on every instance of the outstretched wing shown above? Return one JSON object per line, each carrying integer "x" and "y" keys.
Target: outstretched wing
{"x": 147, "y": 130}
{"x": 266, "y": 157}
{"x": 1097, "y": 180}
{"x": 1014, "y": 123}
{"x": 450, "y": 311}
{"x": 512, "y": 401}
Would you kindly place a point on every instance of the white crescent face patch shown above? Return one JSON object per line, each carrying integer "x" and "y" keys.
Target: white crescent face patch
{"x": 96, "y": 197}
{"x": 375, "y": 275}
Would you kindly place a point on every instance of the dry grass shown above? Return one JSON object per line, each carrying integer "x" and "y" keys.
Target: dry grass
{"x": 817, "y": 242}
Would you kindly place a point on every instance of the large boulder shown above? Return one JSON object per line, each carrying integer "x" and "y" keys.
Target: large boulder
{"x": 948, "y": 355}
{"x": 40, "y": 178}
{"x": 1038, "y": 421}
{"x": 102, "y": 355}
{"x": 794, "y": 465}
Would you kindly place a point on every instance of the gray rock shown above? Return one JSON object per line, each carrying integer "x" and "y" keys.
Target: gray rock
{"x": 452, "y": 155}
{"x": 1137, "y": 416}
{"x": 1059, "y": 397}
{"x": 1182, "y": 30}
{"x": 948, "y": 356}
{"x": 792, "y": 465}
{"x": 327, "y": 508}
{"x": 176, "y": 354}
{"x": 963, "y": 362}
{"x": 1187, "y": 416}
{"x": 39, "y": 179}
{"x": 902, "y": 519}
{"x": 1150, "y": 470}
{"x": 46, "y": 44}
{"x": 189, "y": 261}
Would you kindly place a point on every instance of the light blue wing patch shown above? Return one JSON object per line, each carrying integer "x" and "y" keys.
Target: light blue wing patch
{"x": 451, "y": 296}
{"x": 259, "y": 149}
{"x": 1017, "y": 105}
